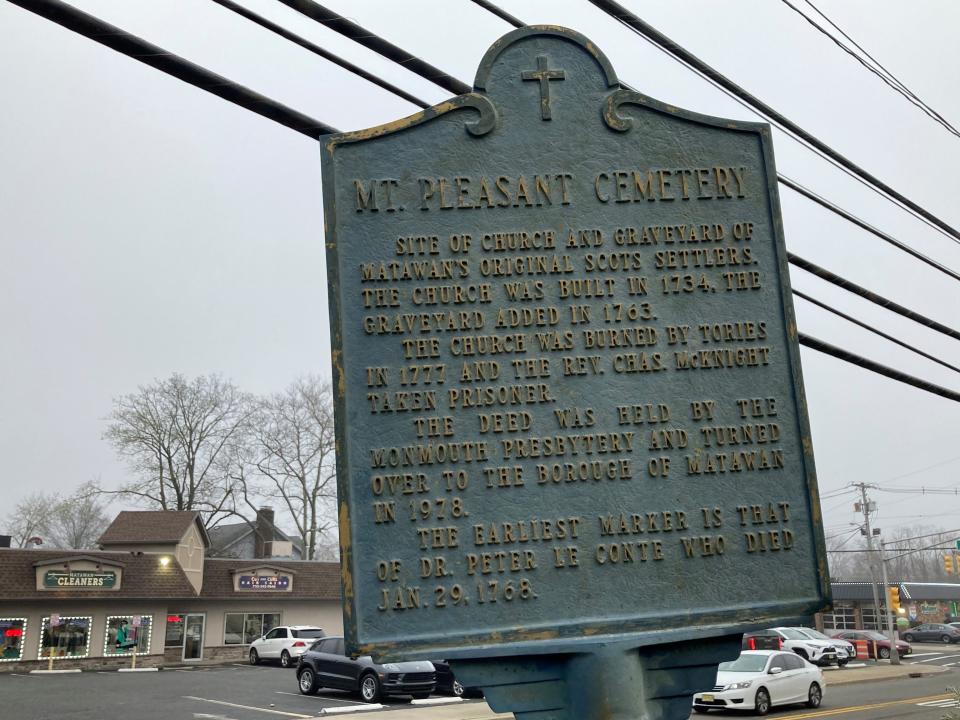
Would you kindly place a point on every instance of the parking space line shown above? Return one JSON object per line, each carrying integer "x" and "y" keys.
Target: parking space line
{"x": 942, "y": 657}
{"x": 249, "y": 707}
{"x": 323, "y": 697}
{"x": 437, "y": 701}
{"x": 924, "y": 654}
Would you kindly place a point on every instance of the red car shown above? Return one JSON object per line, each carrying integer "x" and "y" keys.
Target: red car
{"x": 877, "y": 643}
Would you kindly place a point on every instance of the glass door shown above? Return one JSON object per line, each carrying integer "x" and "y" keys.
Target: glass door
{"x": 193, "y": 637}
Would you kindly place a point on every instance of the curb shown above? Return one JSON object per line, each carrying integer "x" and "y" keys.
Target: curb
{"x": 908, "y": 676}
{"x": 55, "y": 672}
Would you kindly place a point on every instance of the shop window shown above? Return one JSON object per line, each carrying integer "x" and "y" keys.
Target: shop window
{"x": 842, "y": 618}
{"x": 68, "y": 638}
{"x": 126, "y": 633}
{"x": 872, "y": 620}
{"x": 13, "y": 631}
{"x": 174, "y": 635}
{"x": 244, "y": 628}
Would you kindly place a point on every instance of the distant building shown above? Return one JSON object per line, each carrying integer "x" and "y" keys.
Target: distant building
{"x": 853, "y": 606}
{"x": 153, "y": 589}
{"x": 260, "y": 539}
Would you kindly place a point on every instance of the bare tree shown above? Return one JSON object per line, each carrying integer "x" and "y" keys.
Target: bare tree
{"x": 173, "y": 433}
{"x": 78, "y": 521}
{"x": 30, "y": 518}
{"x": 294, "y": 455}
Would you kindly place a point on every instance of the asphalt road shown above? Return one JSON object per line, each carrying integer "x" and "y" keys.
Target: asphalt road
{"x": 240, "y": 692}
{"x": 230, "y": 692}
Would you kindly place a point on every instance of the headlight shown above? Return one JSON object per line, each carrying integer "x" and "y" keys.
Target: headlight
{"x": 391, "y": 667}
{"x": 739, "y": 685}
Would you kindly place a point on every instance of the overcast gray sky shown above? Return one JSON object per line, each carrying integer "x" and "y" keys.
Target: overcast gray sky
{"x": 148, "y": 227}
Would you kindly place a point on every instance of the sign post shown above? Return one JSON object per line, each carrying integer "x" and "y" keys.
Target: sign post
{"x": 135, "y": 623}
{"x": 54, "y": 622}
{"x": 573, "y": 449}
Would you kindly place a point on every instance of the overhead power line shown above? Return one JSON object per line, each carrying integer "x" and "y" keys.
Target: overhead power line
{"x": 883, "y": 302}
{"x": 317, "y": 50}
{"x": 139, "y": 49}
{"x": 877, "y": 69}
{"x": 627, "y": 18}
{"x": 832, "y": 207}
{"x": 784, "y": 180}
{"x": 348, "y": 28}
{"x": 862, "y": 362}
{"x": 155, "y": 56}
{"x": 874, "y": 330}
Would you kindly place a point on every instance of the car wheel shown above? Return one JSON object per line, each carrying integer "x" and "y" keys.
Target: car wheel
{"x": 801, "y": 653}
{"x": 946, "y": 638}
{"x": 814, "y": 696}
{"x": 254, "y": 658}
{"x": 307, "y": 681}
{"x": 908, "y": 637}
{"x": 285, "y": 659}
{"x": 884, "y": 653}
{"x": 369, "y": 688}
{"x": 457, "y": 688}
{"x": 761, "y": 703}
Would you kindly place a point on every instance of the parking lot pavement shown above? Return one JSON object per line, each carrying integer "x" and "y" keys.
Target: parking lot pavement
{"x": 226, "y": 692}
{"x": 934, "y": 654}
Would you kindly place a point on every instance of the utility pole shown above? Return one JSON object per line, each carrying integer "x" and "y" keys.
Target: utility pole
{"x": 894, "y": 653}
{"x": 868, "y": 531}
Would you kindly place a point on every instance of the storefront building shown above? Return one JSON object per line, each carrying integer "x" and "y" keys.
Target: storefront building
{"x": 152, "y": 592}
{"x": 854, "y": 608}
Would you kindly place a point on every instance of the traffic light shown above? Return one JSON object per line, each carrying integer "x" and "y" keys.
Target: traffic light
{"x": 893, "y": 598}
{"x": 948, "y": 564}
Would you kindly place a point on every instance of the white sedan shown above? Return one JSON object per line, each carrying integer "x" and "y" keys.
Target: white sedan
{"x": 760, "y": 679}
{"x": 285, "y": 643}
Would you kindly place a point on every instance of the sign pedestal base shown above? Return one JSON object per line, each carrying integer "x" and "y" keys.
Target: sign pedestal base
{"x": 615, "y": 681}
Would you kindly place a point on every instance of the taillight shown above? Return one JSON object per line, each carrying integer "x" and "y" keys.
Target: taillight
{"x": 779, "y": 643}
{"x": 299, "y": 643}
{"x": 751, "y": 644}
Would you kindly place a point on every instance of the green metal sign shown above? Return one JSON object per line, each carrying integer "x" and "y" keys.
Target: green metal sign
{"x": 569, "y": 398}
{"x": 80, "y": 579}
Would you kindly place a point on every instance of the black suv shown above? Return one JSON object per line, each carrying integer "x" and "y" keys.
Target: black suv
{"x": 325, "y": 665}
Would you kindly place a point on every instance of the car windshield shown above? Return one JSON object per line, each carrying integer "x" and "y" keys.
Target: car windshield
{"x": 309, "y": 633}
{"x": 745, "y": 663}
{"x": 873, "y": 635}
{"x": 815, "y": 634}
{"x": 791, "y": 634}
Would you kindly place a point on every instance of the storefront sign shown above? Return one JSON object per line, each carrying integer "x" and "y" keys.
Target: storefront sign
{"x": 929, "y": 608}
{"x": 79, "y": 579}
{"x": 264, "y": 582}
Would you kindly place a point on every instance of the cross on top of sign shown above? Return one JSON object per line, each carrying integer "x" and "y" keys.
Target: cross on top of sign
{"x": 543, "y": 76}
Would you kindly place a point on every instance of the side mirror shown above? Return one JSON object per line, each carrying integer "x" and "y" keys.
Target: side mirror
{"x": 776, "y": 670}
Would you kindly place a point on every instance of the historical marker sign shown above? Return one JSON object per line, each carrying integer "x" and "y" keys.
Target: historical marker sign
{"x": 569, "y": 400}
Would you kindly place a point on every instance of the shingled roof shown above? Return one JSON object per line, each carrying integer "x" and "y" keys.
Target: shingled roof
{"x": 151, "y": 527}
{"x": 143, "y": 576}
{"x": 314, "y": 580}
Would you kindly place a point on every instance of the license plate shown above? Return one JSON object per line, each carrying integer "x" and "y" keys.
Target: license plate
{"x": 707, "y": 698}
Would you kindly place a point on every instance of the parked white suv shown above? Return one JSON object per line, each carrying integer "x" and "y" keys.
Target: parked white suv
{"x": 819, "y": 652}
{"x": 285, "y": 643}
{"x": 846, "y": 651}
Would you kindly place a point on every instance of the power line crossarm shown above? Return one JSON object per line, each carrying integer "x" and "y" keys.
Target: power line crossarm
{"x": 156, "y": 57}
